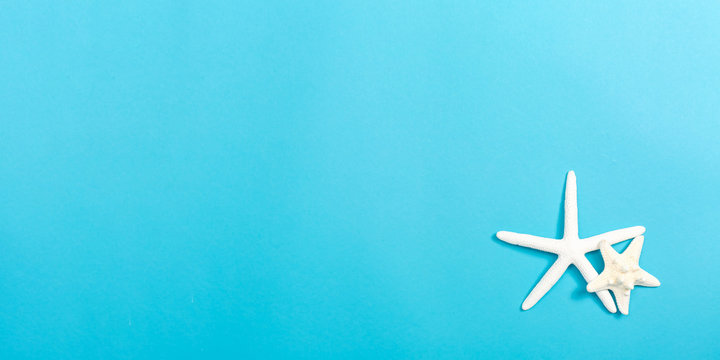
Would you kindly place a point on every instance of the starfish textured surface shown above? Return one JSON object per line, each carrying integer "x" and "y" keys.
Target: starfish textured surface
{"x": 622, "y": 272}
{"x": 570, "y": 249}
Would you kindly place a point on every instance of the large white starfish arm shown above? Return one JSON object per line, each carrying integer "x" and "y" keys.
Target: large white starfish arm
{"x": 548, "y": 280}
{"x": 529, "y": 241}
{"x": 571, "y": 211}
{"x": 612, "y": 237}
{"x": 622, "y": 273}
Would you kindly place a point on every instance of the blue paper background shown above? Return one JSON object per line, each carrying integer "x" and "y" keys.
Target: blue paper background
{"x": 267, "y": 179}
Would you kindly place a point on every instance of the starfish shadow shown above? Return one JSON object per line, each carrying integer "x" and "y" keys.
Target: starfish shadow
{"x": 580, "y": 294}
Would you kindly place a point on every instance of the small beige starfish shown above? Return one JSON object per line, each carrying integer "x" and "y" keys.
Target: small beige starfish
{"x": 622, "y": 272}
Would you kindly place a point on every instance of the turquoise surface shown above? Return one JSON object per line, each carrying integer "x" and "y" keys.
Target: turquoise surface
{"x": 324, "y": 179}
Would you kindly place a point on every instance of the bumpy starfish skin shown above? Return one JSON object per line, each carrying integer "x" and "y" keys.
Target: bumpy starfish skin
{"x": 622, "y": 272}
{"x": 570, "y": 249}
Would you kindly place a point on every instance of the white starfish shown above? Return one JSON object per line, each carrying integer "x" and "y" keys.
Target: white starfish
{"x": 622, "y": 272}
{"x": 570, "y": 249}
